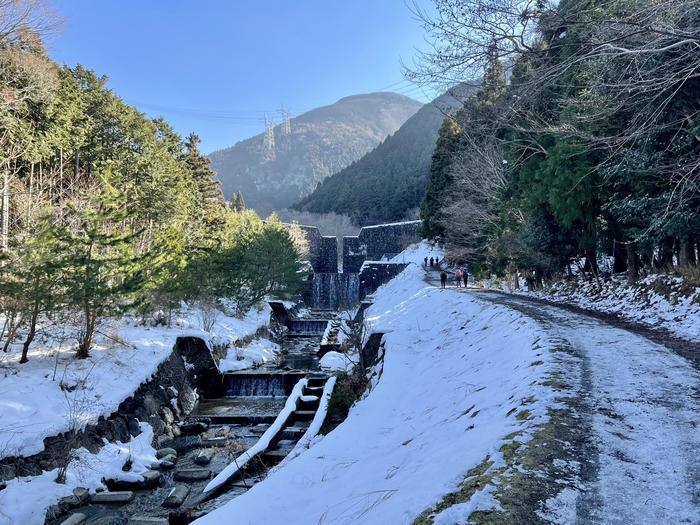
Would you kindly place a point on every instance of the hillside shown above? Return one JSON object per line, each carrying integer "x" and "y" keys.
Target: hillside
{"x": 322, "y": 141}
{"x": 388, "y": 182}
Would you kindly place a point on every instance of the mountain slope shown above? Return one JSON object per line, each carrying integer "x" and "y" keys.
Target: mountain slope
{"x": 322, "y": 141}
{"x": 388, "y": 182}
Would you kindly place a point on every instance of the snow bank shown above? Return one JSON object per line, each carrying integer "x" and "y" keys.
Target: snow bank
{"x": 33, "y": 405}
{"x": 672, "y": 310}
{"x": 456, "y": 373}
{"x": 416, "y": 253}
{"x": 335, "y": 361}
{"x": 25, "y": 500}
{"x": 254, "y": 354}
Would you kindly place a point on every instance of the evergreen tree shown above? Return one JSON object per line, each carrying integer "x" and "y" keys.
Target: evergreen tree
{"x": 98, "y": 257}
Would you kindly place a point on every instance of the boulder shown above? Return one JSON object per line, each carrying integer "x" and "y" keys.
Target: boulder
{"x": 197, "y": 427}
{"x": 75, "y": 519}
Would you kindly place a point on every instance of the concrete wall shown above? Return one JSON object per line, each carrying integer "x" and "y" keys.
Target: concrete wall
{"x": 375, "y": 274}
{"x": 323, "y": 251}
{"x": 373, "y": 242}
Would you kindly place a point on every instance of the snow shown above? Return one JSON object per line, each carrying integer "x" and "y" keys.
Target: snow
{"x": 677, "y": 312}
{"x": 391, "y": 224}
{"x": 264, "y": 441}
{"x": 125, "y": 354}
{"x": 25, "y": 500}
{"x": 256, "y": 353}
{"x": 335, "y": 361}
{"x": 394, "y": 456}
{"x": 316, "y": 424}
{"x": 416, "y": 253}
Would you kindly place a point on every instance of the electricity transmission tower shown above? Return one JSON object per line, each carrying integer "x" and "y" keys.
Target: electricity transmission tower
{"x": 287, "y": 126}
{"x": 269, "y": 140}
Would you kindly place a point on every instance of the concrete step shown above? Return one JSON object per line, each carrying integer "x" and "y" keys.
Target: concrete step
{"x": 303, "y": 415}
{"x": 272, "y": 457}
{"x": 293, "y": 433}
{"x": 147, "y": 520}
{"x": 316, "y": 381}
{"x": 308, "y": 405}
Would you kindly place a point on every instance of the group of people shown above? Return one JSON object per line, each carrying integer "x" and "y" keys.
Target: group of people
{"x": 434, "y": 262}
{"x": 461, "y": 275}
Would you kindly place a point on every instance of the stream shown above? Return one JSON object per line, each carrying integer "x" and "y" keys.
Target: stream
{"x": 216, "y": 433}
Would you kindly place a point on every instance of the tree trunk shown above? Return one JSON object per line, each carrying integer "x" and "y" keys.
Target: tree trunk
{"x": 666, "y": 254}
{"x": 686, "y": 253}
{"x": 516, "y": 281}
{"x": 30, "y": 335}
{"x": 85, "y": 342}
{"x": 619, "y": 257}
{"x": 632, "y": 265}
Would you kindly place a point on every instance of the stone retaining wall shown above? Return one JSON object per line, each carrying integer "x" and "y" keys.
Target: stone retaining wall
{"x": 161, "y": 401}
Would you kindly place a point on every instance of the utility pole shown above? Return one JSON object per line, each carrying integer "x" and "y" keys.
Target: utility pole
{"x": 287, "y": 125}
{"x": 269, "y": 139}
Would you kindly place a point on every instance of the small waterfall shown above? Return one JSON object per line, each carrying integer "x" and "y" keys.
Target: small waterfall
{"x": 308, "y": 326}
{"x": 260, "y": 385}
{"x": 331, "y": 291}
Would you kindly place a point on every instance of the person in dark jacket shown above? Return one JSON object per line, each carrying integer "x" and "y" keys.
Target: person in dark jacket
{"x": 437, "y": 262}
{"x": 426, "y": 262}
{"x": 465, "y": 276}
{"x": 431, "y": 262}
{"x": 443, "y": 279}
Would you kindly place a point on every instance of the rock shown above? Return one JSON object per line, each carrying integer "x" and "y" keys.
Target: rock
{"x": 167, "y": 465}
{"x": 165, "y": 452}
{"x": 157, "y": 424}
{"x": 190, "y": 475}
{"x": 177, "y": 496}
{"x": 69, "y": 502}
{"x": 151, "y": 478}
{"x": 197, "y": 427}
{"x": 134, "y": 427}
{"x": 124, "y": 496}
{"x": 147, "y": 520}
{"x": 204, "y": 457}
{"x": 82, "y": 494}
{"x": 172, "y": 458}
{"x": 215, "y": 442}
{"x": 167, "y": 415}
{"x": 75, "y": 519}
{"x": 151, "y": 404}
{"x": 184, "y": 443}
{"x": 120, "y": 430}
{"x": 53, "y": 512}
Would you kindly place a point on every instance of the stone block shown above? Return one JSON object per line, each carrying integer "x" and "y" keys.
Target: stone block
{"x": 124, "y": 496}
{"x": 82, "y": 494}
{"x": 75, "y": 519}
{"x": 177, "y": 496}
{"x": 204, "y": 457}
{"x": 190, "y": 475}
{"x": 161, "y": 453}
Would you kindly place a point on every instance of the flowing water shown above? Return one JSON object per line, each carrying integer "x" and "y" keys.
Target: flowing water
{"x": 334, "y": 291}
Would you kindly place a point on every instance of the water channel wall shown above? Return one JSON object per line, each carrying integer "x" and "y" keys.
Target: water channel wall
{"x": 376, "y": 273}
{"x": 375, "y": 242}
{"x": 161, "y": 401}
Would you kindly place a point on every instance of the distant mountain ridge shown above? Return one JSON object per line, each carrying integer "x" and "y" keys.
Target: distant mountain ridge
{"x": 322, "y": 141}
{"x": 388, "y": 183}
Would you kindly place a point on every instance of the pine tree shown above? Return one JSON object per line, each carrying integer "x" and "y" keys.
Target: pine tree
{"x": 98, "y": 256}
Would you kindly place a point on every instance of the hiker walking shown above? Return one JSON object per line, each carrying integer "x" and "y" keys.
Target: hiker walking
{"x": 431, "y": 262}
{"x": 426, "y": 262}
{"x": 437, "y": 262}
{"x": 465, "y": 276}
{"x": 443, "y": 279}
{"x": 458, "y": 276}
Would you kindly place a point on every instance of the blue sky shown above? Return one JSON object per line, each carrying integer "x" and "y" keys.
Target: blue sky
{"x": 216, "y": 66}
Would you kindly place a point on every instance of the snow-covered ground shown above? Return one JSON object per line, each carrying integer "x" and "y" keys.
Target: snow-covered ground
{"x": 674, "y": 310}
{"x": 256, "y": 353}
{"x": 24, "y": 501}
{"x": 457, "y": 379}
{"x": 33, "y": 405}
